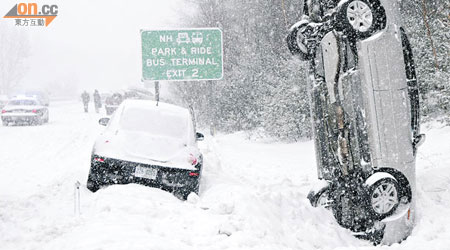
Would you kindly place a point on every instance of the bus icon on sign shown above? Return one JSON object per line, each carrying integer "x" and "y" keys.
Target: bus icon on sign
{"x": 183, "y": 38}
{"x": 197, "y": 38}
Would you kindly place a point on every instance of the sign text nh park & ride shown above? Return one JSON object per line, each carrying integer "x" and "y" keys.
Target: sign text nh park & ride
{"x": 182, "y": 55}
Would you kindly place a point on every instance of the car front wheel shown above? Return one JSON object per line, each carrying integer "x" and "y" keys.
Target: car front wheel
{"x": 299, "y": 43}
{"x": 322, "y": 198}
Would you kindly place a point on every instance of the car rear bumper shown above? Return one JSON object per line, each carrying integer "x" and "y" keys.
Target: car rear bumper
{"x": 392, "y": 229}
{"x": 108, "y": 171}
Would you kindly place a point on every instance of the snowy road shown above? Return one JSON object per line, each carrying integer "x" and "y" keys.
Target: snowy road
{"x": 252, "y": 196}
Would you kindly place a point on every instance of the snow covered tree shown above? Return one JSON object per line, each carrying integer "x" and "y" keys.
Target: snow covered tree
{"x": 14, "y": 50}
{"x": 262, "y": 86}
{"x": 428, "y": 26}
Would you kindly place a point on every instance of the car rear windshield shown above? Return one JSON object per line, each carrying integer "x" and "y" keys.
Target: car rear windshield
{"x": 22, "y": 102}
{"x": 155, "y": 122}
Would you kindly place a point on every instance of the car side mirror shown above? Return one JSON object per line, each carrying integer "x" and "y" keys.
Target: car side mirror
{"x": 103, "y": 121}
{"x": 199, "y": 136}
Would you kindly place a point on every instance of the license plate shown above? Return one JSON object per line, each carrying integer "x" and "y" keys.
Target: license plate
{"x": 145, "y": 172}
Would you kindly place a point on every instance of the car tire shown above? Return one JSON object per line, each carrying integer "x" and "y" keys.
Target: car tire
{"x": 192, "y": 187}
{"x": 383, "y": 197}
{"x": 92, "y": 183}
{"x": 195, "y": 187}
{"x": 297, "y": 41}
{"x": 4, "y": 123}
{"x": 321, "y": 198}
{"x": 95, "y": 179}
{"x": 39, "y": 121}
{"x": 359, "y": 19}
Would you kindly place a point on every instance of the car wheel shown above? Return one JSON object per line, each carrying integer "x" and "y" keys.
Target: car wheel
{"x": 4, "y": 123}
{"x": 92, "y": 183}
{"x": 184, "y": 192}
{"x": 298, "y": 39}
{"x": 384, "y": 197}
{"x": 324, "y": 200}
{"x": 321, "y": 198}
{"x": 195, "y": 187}
{"x": 95, "y": 179}
{"x": 39, "y": 121}
{"x": 359, "y": 19}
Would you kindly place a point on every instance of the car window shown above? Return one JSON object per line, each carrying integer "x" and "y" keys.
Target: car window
{"x": 155, "y": 122}
{"x": 22, "y": 102}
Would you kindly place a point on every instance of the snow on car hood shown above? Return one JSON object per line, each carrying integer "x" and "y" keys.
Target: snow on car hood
{"x": 148, "y": 149}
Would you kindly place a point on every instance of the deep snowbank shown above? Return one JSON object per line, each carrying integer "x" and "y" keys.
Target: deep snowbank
{"x": 253, "y": 196}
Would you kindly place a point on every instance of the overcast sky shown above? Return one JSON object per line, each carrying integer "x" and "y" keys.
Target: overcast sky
{"x": 94, "y": 43}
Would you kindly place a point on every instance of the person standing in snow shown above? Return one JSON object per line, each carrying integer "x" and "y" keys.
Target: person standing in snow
{"x": 85, "y": 98}
{"x": 97, "y": 101}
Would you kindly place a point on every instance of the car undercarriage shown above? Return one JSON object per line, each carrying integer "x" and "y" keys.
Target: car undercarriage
{"x": 365, "y": 114}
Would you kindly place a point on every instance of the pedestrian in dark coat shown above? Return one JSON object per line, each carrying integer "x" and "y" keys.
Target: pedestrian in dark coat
{"x": 97, "y": 101}
{"x": 85, "y": 98}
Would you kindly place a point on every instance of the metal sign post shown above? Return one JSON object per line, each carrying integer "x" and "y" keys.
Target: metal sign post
{"x": 77, "y": 210}
{"x": 157, "y": 92}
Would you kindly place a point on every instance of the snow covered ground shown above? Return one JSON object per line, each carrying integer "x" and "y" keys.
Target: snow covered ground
{"x": 252, "y": 196}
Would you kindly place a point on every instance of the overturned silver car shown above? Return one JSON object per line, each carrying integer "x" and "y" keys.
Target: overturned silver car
{"x": 365, "y": 114}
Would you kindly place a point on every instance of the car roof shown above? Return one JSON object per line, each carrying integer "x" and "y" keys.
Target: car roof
{"x": 24, "y": 98}
{"x": 153, "y": 105}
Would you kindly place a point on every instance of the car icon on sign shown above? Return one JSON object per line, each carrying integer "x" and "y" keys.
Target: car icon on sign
{"x": 197, "y": 38}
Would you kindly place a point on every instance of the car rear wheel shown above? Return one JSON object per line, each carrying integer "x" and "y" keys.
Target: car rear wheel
{"x": 39, "y": 120}
{"x": 298, "y": 39}
{"x": 92, "y": 183}
{"x": 384, "y": 197}
{"x": 4, "y": 123}
{"x": 359, "y": 19}
{"x": 184, "y": 192}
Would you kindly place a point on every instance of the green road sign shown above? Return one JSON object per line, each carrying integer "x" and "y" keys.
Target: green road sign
{"x": 179, "y": 55}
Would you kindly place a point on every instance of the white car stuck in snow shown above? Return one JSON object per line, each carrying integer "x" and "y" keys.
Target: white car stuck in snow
{"x": 365, "y": 114}
{"x": 149, "y": 143}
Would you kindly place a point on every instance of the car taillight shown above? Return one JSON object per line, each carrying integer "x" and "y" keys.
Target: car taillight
{"x": 193, "y": 174}
{"x": 3, "y": 111}
{"x": 98, "y": 159}
{"x": 34, "y": 111}
{"x": 193, "y": 160}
